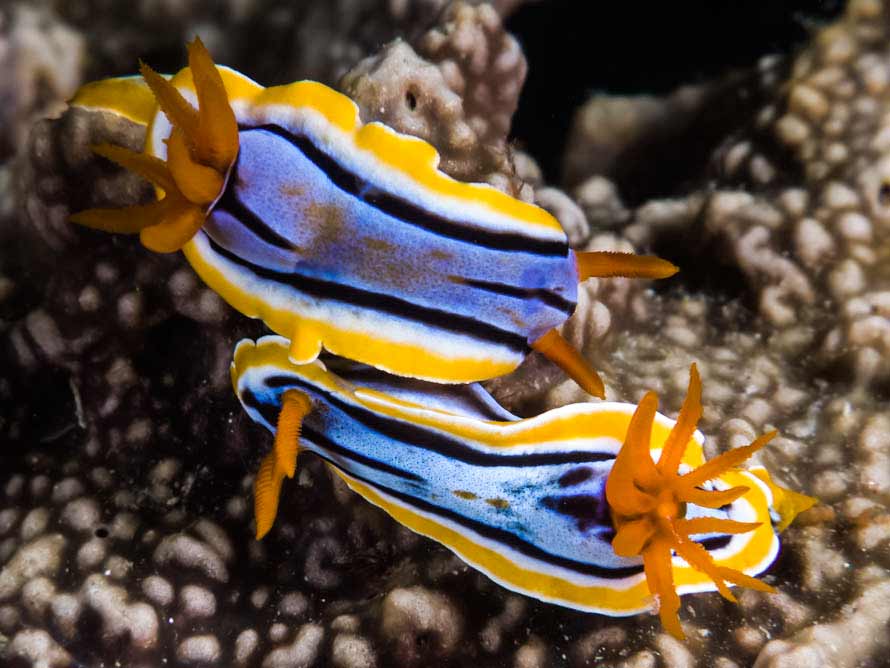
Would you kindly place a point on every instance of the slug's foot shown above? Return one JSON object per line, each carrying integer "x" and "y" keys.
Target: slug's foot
{"x": 201, "y": 150}
{"x": 648, "y": 503}
{"x": 281, "y": 461}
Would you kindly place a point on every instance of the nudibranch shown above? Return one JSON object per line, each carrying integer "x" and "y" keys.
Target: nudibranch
{"x": 580, "y": 506}
{"x": 343, "y": 235}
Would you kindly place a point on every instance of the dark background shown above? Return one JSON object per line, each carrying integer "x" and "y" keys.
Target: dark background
{"x": 578, "y": 47}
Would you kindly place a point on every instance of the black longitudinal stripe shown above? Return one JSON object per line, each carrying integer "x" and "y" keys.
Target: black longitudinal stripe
{"x": 376, "y": 301}
{"x": 427, "y": 439}
{"x": 493, "y": 533}
{"x": 410, "y": 213}
{"x": 230, "y": 203}
{"x": 715, "y": 542}
{"x": 497, "y": 534}
{"x": 548, "y": 297}
{"x": 505, "y": 536}
{"x": 269, "y": 415}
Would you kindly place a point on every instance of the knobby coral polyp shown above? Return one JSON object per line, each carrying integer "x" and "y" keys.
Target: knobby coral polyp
{"x": 201, "y": 150}
{"x": 648, "y": 501}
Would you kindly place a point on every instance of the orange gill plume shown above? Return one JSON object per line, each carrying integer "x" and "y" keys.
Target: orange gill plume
{"x": 648, "y": 502}
{"x": 201, "y": 149}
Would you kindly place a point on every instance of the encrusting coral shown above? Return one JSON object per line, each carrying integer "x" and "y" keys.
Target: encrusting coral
{"x": 147, "y": 514}
{"x": 797, "y": 201}
{"x": 824, "y": 231}
{"x": 458, "y": 91}
{"x": 42, "y": 60}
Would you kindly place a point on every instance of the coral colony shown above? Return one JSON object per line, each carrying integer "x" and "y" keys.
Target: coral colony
{"x": 586, "y": 531}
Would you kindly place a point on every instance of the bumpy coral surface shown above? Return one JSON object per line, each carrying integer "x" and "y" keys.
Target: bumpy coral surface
{"x": 125, "y": 531}
{"x": 458, "y": 93}
{"x": 42, "y": 60}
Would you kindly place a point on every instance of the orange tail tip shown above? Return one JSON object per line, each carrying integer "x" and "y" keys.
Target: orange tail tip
{"x": 201, "y": 150}
{"x": 608, "y": 264}
{"x": 559, "y": 351}
{"x": 788, "y": 503}
{"x": 648, "y": 500}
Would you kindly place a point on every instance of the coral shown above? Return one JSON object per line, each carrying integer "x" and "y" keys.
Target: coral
{"x": 608, "y": 129}
{"x": 38, "y": 647}
{"x": 69, "y": 514}
{"x": 601, "y": 203}
{"x": 42, "y": 61}
{"x": 43, "y": 48}
{"x": 458, "y": 93}
{"x": 784, "y": 228}
{"x": 651, "y": 145}
{"x": 856, "y": 636}
{"x": 58, "y": 163}
{"x": 124, "y": 501}
{"x": 803, "y": 211}
{"x": 570, "y": 215}
{"x": 399, "y": 88}
{"x": 410, "y": 613}
{"x": 88, "y": 329}
{"x": 482, "y": 63}
{"x": 305, "y": 38}
{"x": 324, "y": 40}
{"x": 316, "y": 40}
